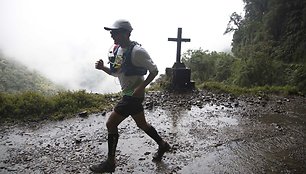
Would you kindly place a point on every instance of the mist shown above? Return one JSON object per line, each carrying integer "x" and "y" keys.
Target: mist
{"x": 62, "y": 39}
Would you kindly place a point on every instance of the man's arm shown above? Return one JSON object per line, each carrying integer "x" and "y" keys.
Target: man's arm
{"x": 141, "y": 58}
{"x": 141, "y": 87}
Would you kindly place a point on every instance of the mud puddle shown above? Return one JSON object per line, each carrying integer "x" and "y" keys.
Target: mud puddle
{"x": 209, "y": 133}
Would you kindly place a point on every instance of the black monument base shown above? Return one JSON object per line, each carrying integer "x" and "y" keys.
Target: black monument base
{"x": 177, "y": 65}
{"x": 180, "y": 78}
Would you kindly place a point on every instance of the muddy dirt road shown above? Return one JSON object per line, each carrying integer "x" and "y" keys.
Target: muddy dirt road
{"x": 209, "y": 133}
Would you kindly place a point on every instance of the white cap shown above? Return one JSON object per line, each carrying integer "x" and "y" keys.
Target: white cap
{"x": 120, "y": 24}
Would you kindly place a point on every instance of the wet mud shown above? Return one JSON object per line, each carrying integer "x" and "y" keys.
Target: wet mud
{"x": 208, "y": 132}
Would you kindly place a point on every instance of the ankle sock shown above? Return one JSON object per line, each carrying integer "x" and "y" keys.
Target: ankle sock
{"x": 112, "y": 145}
{"x": 154, "y": 135}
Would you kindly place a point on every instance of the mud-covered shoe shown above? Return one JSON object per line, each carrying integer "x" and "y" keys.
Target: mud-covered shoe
{"x": 104, "y": 167}
{"x": 160, "y": 152}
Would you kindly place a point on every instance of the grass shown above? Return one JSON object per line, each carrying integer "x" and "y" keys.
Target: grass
{"x": 236, "y": 90}
{"x": 35, "y": 106}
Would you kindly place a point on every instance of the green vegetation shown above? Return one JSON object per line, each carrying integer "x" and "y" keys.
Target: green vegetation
{"x": 268, "y": 52}
{"x": 270, "y": 42}
{"x": 15, "y": 77}
{"x": 271, "y": 29}
{"x": 26, "y": 95}
{"x": 212, "y": 68}
{"x": 236, "y": 90}
{"x": 36, "y": 106}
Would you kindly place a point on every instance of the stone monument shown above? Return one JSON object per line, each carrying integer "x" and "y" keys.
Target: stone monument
{"x": 179, "y": 74}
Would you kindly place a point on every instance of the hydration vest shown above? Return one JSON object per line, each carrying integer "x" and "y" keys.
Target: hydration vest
{"x": 127, "y": 66}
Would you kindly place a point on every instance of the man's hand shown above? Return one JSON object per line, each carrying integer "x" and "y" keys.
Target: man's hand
{"x": 100, "y": 64}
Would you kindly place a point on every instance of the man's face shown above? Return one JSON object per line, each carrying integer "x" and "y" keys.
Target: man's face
{"x": 118, "y": 36}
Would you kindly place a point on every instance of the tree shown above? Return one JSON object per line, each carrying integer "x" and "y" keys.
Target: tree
{"x": 234, "y": 23}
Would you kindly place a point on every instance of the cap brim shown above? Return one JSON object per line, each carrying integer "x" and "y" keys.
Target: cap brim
{"x": 109, "y": 28}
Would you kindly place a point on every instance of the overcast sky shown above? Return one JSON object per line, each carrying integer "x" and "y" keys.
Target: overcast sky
{"x": 62, "y": 39}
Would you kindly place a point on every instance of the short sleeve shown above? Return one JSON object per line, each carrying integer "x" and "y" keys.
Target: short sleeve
{"x": 141, "y": 58}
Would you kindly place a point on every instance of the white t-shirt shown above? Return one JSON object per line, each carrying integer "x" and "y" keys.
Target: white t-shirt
{"x": 140, "y": 58}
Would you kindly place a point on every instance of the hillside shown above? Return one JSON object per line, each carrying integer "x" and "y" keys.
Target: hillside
{"x": 268, "y": 48}
{"x": 15, "y": 77}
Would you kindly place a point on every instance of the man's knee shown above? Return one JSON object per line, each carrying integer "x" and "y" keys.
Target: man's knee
{"x": 109, "y": 124}
{"x": 113, "y": 121}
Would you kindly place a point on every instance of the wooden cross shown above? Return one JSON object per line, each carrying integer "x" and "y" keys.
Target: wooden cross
{"x": 178, "y": 40}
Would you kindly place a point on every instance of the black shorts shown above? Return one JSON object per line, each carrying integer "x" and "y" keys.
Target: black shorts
{"x": 129, "y": 105}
